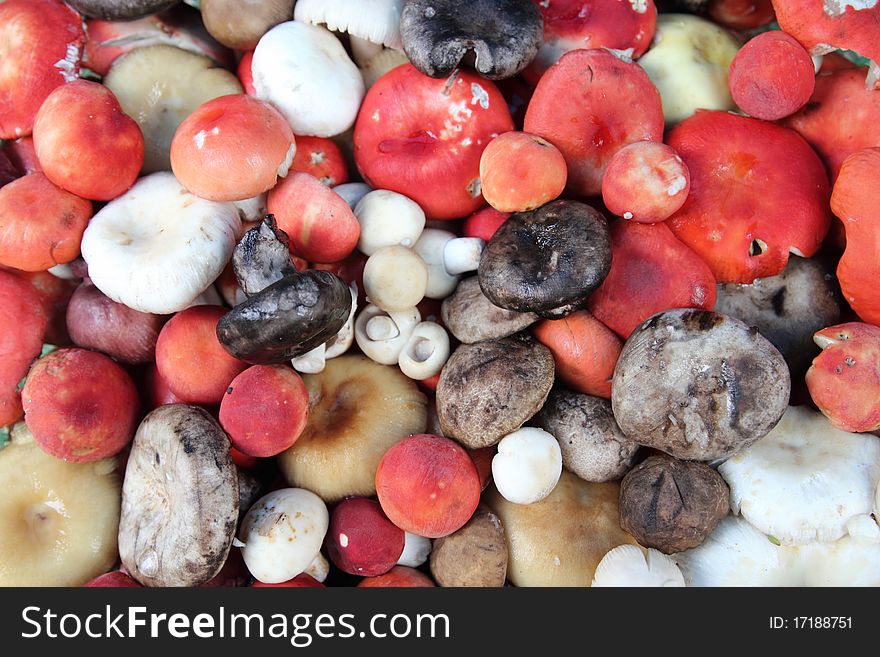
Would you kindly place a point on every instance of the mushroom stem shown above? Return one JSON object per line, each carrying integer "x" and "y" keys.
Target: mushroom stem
{"x": 340, "y": 343}
{"x": 462, "y": 254}
{"x": 381, "y": 328}
{"x": 426, "y": 351}
{"x": 422, "y": 349}
{"x": 319, "y": 568}
{"x": 382, "y": 335}
{"x": 311, "y": 362}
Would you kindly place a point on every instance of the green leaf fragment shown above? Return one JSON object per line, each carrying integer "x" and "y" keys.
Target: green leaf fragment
{"x": 4, "y": 437}
{"x": 773, "y": 540}
{"x": 48, "y": 349}
{"x": 854, "y": 57}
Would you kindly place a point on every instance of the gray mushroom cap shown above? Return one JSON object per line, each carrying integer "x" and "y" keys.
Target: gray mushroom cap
{"x": 262, "y": 257}
{"x": 287, "y": 319}
{"x": 471, "y": 317}
{"x": 698, "y": 385}
{"x": 116, "y": 10}
{"x": 593, "y": 446}
{"x": 787, "y": 309}
{"x": 503, "y": 35}
{"x": 542, "y": 260}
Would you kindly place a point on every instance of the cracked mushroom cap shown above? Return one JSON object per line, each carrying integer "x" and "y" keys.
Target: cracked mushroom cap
{"x": 698, "y": 385}
{"x": 503, "y": 35}
{"x": 805, "y": 480}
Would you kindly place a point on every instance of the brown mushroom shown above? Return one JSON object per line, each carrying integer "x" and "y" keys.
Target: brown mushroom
{"x": 593, "y": 446}
{"x": 471, "y": 317}
{"x": 475, "y": 555}
{"x": 239, "y": 24}
{"x": 179, "y": 499}
{"x": 672, "y": 505}
{"x": 698, "y": 385}
{"x": 491, "y": 388}
{"x": 560, "y": 540}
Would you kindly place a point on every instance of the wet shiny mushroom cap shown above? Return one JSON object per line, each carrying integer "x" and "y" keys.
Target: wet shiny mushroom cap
{"x": 698, "y": 385}
{"x": 503, "y": 35}
{"x": 287, "y": 319}
{"x": 541, "y": 260}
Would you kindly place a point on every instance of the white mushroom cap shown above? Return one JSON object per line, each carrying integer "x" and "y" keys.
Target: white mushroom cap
{"x": 416, "y": 550}
{"x": 282, "y": 534}
{"x": 737, "y": 554}
{"x": 64, "y": 272}
{"x": 430, "y": 248}
{"x": 627, "y": 565}
{"x": 353, "y": 192}
{"x": 804, "y": 480}
{"x": 847, "y": 562}
{"x": 157, "y": 247}
{"x": 254, "y": 208}
{"x": 387, "y": 219}
{"x": 425, "y": 352}
{"x": 395, "y": 278}
{"x": 462, "y": 254}
{"x": 382, "y": 335}
{"x": 306, "y": 74}
{"x": 313, "y": 361}
{"x": 527, "y": 466}
{"x": 376, "y": 21}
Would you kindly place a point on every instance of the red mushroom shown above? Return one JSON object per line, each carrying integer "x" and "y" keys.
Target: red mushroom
{"x": 40, "y": 49}
{"x": 771, "y": 76}
{"x": 651, "y": 271}
{"x": 741, "y": 14}
{"x": 577, "y": 107}
{"x": 423, "y": 137}
{"x": 758, "y": 192}
{"x": 825, "y": 25}
{"x": 854, "y": 202}
{"x": 840, "y": 118}
{"x": 844, "y": 380}
{"x": 573, "y": 24}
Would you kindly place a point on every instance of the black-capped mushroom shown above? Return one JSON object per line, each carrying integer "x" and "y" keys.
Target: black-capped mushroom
{"x": 698, "y": 385}
{"x": 593, "y": 446}
{"x": 287, "y": 319}
{"x": 491, "y": 388}
{"x": 120, "y": 10}
{"x": 502, "y": 35}
{"x": 471, "y": 317}
{"x": 542, "y": 260}
{"x": 787, "y": 309}
{"x": 672, "y": 505}
{"x": 262, "y": 257}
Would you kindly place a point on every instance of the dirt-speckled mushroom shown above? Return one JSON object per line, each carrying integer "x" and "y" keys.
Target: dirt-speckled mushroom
{"x": 698, "y": 385}
{"x": 672, "y": 505}
{"x": 503, "y": 35}
{"x": 491, "y": 388}
{"x": 475, "y": 555}
{"x": 787, "y": 309}
{"x": 287, "y": 319}
{"x": 471, "y": 317}
{"x": 541, "y": 260}
{"x": 179, "y": 499}
{"x": 560, "y": 540}
{"x": 593, "y": 446}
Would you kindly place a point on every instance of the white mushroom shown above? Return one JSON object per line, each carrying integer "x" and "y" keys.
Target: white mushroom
{"x": 628, "y": 565}
{"x": 805, "y": 480}
{"x": 64, "y": 272}
{"x": 527, "y": 466}
{"x": 395, "y": 278}
{"x": 313, "y": 361}
{"x": 282, "y": 534}
{"x": 252, "y": 209}
{"x": 319, "y": 568}
{"x": 462, "y": 254}
{"x": 157, "y": 247}
{"x": 353, "y": 192}
{"x": 306, "y": 74}
{"x": 382, "y": 335}
{"x": 416, "y": 550}
{"x": 430, "y": 248}
{"x": 374, "y": 21}
{"x": 388, "y": 219}
{"x": 847, "y": 562}
{"x": 425, "y": 352}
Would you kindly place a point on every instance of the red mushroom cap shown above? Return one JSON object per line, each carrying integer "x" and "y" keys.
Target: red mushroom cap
{"x": 590, "y": 105}
{"x": 423, "y": 137}
{"x": 757, "y": 191}
{"x": 651, "y": 271}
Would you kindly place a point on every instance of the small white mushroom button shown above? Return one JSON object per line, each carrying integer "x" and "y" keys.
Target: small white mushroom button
{"x": 382, "y": 335}
{"x": 395, "y": 278}
{"x": 527, "y": 466}
{"x": 388, "y": 219}
{"x": 426, "y": 351}
{"x": 462, "y": 254}
{"x": 416, "y": 550}
{"x": 430, "y": 247}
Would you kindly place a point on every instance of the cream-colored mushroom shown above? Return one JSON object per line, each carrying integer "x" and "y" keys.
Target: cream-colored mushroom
{"x": 425, "y": 352}
{"x": 395, "y": 278}
{"x": 388, "y": 219}
{"x": 382, "y": 335}
{"x": 628, "y": 565}
{"x": 430, "y": 248}
{"x": 527, "y": 466}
